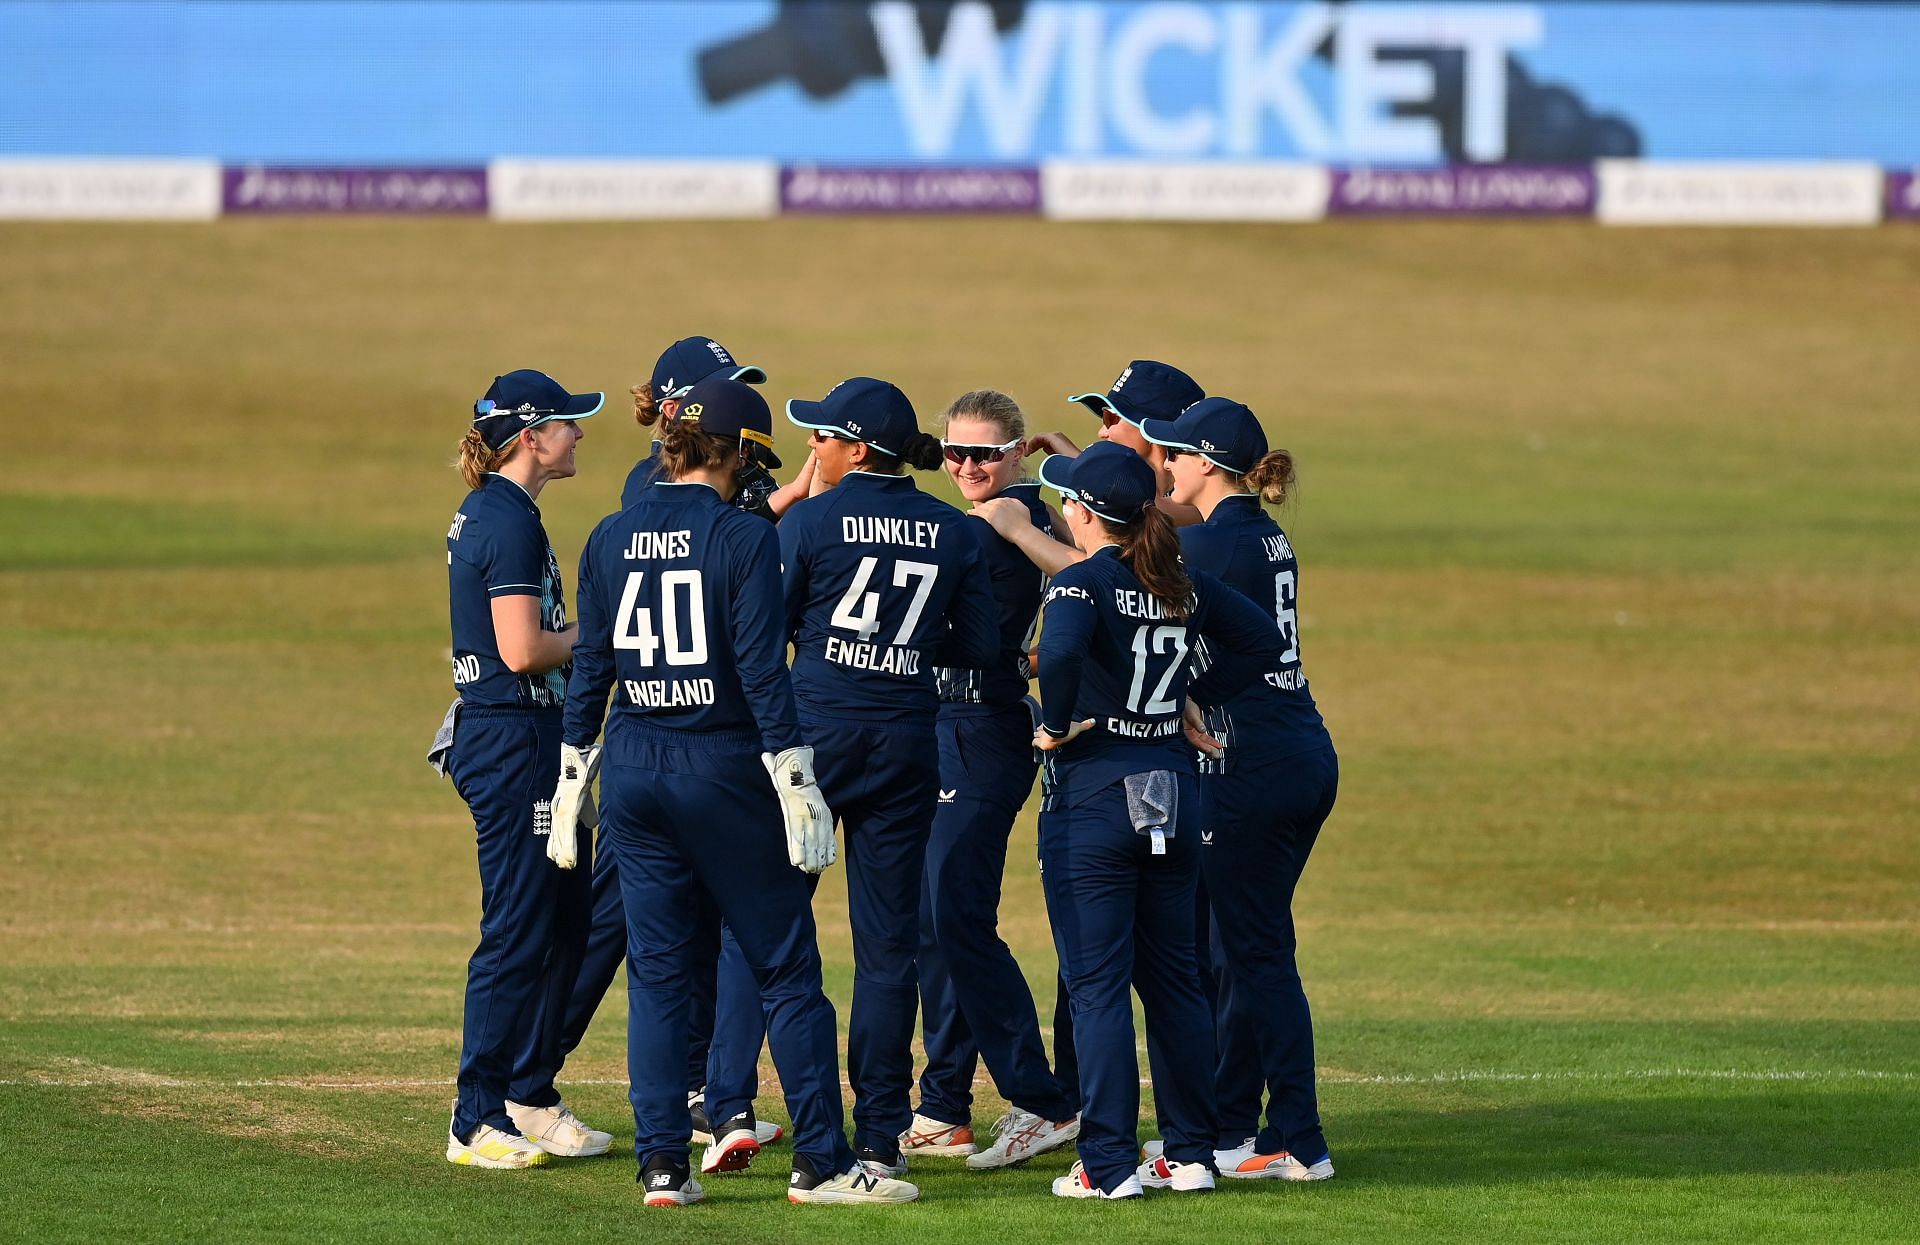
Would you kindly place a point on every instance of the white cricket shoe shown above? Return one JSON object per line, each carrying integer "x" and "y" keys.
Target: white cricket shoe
{"x": 1243, "y": 1162}
{"x": 1165, "y": 1173}
{"x": 669, "y": 1184}
{"x": 491, "y": 1148}
{"x": 558, "y": 1131}
{"x": 1076, "y": 1183}
{"x": 859, "y": 1184}
{"x": 1020, "y": 1135}
{"x": 937, "y": 1139}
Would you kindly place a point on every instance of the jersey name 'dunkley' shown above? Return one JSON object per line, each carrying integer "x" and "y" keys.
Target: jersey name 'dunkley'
{"x": 868, "y": 530}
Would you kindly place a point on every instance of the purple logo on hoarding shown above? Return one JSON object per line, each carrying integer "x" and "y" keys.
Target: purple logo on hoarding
{"x": 983, "y": 188}
{"x": 1903, "y": 194}
{"x": 258, "y": 188}
{"x": 1463, "y": 190}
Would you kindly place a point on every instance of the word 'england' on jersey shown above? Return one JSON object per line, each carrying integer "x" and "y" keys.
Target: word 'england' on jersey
{"x": 1112, "y": 653}
{"x": 883, "y": 584}
{"x": 680, "y": 621}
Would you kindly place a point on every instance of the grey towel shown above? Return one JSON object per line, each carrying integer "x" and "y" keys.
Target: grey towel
{"x": 1153, "y": 804}
{"x": 443, "y": 739}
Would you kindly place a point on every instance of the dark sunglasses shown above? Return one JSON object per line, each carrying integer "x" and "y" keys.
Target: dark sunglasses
{"x": 817, "y": 435}
{"x": 960, "y": 453}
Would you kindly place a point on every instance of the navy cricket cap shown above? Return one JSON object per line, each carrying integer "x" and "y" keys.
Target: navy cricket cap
{"x": 861, "y": 409}
{"x": 1220, "y": 430}
{"x": 693, "y": 359}
{"x": 1146, "y": 390}
{"x": 526, "y": 399}
{"x": 729, "y": 408}
{"x": 1110, "y": 480}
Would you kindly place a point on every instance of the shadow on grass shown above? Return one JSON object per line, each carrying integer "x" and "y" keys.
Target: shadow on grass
{"x": 1638, "y": 1132}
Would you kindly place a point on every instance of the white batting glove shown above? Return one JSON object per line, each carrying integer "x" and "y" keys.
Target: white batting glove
{"x": 810, "y": 845}
{"x": 577, "y": 769}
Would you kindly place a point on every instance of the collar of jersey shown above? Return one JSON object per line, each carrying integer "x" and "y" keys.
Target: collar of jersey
{"x": 1220, "y": 512}
{"x": 1107, "y": 548}
{"x": 881, "y": 477}
{"x": 687, "y": 484}
{"x": 518, "y": 488}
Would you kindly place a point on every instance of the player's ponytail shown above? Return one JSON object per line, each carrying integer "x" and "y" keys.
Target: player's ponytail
{"x": 922, "y": 452}
{"x": 1272, "y": 478}
{"x": 476, "y": 459}
{"x": 1151, "y": 549}
{"x": 646, "y": 409}
{"x": 685, "y": 448}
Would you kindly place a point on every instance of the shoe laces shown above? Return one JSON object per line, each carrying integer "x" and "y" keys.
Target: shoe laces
{"x": 1010, "y": 1124}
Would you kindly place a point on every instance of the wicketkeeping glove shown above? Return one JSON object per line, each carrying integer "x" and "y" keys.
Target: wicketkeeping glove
{"x": 577, "y": 769}
{"x": 810, "y": 845}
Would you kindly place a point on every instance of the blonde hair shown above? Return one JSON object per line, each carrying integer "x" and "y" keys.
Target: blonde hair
{"x": 993, "y": 406}
{"x": 1272, "y": 477}
{"x": 476, "y": 459}
{"x": 646, "y": 408}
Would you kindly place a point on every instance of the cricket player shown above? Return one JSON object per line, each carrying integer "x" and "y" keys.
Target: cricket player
{"x": 501, "y": 745}
{"x": 1119, "y": 821}
{"x": 681, "y": 622}
{"x": 883, "y": 584}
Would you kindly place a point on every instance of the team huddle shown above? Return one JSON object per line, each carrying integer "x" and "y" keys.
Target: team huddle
{"x": 755, "y": 664}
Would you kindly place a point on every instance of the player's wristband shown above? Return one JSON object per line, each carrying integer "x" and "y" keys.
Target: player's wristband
{"x": 1056, "y": 734}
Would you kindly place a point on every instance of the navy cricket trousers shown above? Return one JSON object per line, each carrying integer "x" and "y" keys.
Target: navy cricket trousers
{"x": 1262, "y": 822}
{"x": 505, "y": 764}
{"x": 686, "y": 814}
{"x": 723, "y": 1002}
{"x": 882, "y": 783}
{"x": 974, "y": 999}
{"x": 1123, "y": 917}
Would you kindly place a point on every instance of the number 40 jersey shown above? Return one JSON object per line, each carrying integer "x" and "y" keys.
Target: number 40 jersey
{"x": 680, "y": 619}
{"x": 883, "y": 585}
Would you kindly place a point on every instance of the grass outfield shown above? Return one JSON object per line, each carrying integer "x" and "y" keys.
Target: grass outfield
{"x": 1610, "y": 544}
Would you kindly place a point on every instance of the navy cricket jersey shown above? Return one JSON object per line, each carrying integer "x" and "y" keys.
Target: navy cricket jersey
{"x": 1275, "y": 716}
{"x": 497, "y": 548}
{"x": 883, "y": 583}
{"x": 1109, "y": 652}
{"x": 755, "y": 486}
{"x": 1017, "y": 584}
{"x": 680, "y": 619}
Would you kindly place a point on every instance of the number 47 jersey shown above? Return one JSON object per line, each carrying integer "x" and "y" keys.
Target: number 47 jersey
{"x": 680, "y": 620}
{"x": 883, "y": 584}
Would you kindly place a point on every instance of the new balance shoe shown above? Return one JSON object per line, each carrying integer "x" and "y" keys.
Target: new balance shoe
{"x": 734, "y": 1146}
{"x": 936, "y": 1139}
{"x": 669, "y": 1183}
{"x": 1164, "y": 1173}
{"x": 489, "y": 1147}
{"x": 1020, "y": 1135}
{"x": 859, "y": 1184}
{"x": 1076, "y": 1183}
{"x": 894, "y": 1165}
{"x": 557, "y": 1130}
{"x": 764, "y": 1131}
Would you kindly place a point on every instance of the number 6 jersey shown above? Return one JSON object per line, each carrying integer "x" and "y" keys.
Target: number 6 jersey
{"x": 883, "y": 584}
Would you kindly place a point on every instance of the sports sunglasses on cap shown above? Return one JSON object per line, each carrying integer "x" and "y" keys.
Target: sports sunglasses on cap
{"x": 961, "y": 452}
{"x": 487, "y": 408}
